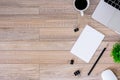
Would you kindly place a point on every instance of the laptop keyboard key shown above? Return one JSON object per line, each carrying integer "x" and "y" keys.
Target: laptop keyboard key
{"x": 117, "y": 6}
{"x": 110, "y": 2}
{"x": 116, "y": 1}
{"x": 113, "y": 4}
{"x": 106, "y": 0}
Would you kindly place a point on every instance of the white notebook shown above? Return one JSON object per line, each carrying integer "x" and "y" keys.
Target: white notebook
{"x": 87, "y": 43}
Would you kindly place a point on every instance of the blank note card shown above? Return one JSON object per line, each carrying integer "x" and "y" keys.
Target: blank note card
{"x": 87, "y": 43}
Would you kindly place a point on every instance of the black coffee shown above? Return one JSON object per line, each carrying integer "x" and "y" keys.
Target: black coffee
{"x": 81, "y": 4}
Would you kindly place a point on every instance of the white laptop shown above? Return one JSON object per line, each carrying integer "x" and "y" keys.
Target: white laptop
{"x": 108, "y": 13}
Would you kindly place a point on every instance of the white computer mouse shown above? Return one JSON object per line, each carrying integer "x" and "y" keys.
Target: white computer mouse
{"x": 108, "y": 75}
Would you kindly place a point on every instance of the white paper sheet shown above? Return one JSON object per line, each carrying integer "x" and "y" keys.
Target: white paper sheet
{"x": 87, "y": 43}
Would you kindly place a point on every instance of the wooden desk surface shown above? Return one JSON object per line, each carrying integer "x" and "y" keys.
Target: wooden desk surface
{"x": 36, "y": 37}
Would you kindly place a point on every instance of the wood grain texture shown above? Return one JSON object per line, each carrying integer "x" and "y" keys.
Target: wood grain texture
{"x": 19, "y": 72}
{"x": 36, "y": 37}
{"x": 12, "y": 11}
{"x": 19, "y": 34}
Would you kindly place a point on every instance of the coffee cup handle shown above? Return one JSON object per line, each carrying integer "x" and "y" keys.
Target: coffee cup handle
{"x": 82, "y": 13}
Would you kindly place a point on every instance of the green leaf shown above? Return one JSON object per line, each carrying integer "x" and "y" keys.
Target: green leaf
{"x": 115, "y": 53}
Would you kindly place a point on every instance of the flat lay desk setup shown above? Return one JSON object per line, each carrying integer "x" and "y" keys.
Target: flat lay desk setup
{"x": 107, "y": 12}
{"x": 58, "y": 39}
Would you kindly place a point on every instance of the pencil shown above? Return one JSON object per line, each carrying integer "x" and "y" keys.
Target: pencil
{"x": 97, "y": 60}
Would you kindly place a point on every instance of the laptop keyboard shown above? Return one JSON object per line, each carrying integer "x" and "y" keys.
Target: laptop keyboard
{"x": 114, "y": 3}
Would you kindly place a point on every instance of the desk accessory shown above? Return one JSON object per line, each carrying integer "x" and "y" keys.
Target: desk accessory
{"x": 97, "y": 60}
{"x": 76, "y": 73}
{"x": 87, "y": 43}
{"x": 108, "y": 13}
{"x": 76, "y": 29}
{"x": 81, "y": 5}
{"x": 108, "y": 75}
{"x": 115, "y": 53}
{"x": 72, "y": 62}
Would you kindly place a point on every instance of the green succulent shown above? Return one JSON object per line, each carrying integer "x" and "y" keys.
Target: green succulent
{"x": 115, "y": 53}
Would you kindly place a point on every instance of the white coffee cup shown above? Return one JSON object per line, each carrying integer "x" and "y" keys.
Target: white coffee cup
{"x": 82, "y": 10}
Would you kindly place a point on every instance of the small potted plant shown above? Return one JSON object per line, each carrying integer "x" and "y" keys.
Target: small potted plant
{"x": 115, "y": 53}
